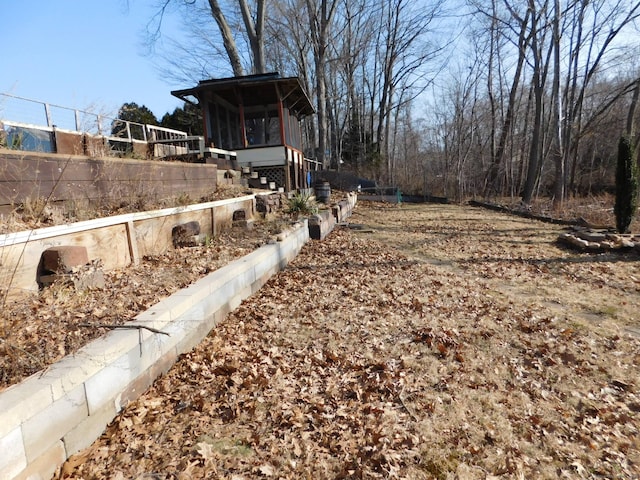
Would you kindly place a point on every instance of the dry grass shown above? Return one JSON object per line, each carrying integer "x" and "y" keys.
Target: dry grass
{"x": 595, "y": 210}
{"x": 39, "y": 212}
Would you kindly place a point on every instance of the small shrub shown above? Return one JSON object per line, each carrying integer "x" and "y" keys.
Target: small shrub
{"x": 301, "y": 204}
{"x": 34, "y": 211}
{"x": 626, "y": 186}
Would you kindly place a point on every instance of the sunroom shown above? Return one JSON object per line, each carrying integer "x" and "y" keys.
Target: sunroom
{"x": 259, "y": 118}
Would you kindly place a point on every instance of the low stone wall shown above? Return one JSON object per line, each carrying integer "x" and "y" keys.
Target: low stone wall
{"x": 117, "y": 241}
{"x": 322, "y": 223}
{"x": 79, "y": 180}
{"x": 58, "y": 412}
{"x": 343, "y": 209}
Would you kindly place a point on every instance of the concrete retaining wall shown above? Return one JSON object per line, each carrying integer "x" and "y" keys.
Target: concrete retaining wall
{"x": 322, "y": 223}
{"x": 117, "y": 241}
{"x": 80, "y": 181}
{"x": 58, "y": 412}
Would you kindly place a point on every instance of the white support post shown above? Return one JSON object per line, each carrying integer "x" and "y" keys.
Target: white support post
{"x": 47, "y": 113}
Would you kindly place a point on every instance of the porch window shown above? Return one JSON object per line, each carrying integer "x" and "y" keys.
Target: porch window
{"x": 262, "y": 127}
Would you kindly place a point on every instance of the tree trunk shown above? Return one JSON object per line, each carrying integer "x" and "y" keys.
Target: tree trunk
{"x": 227, "y": 38}
{"x": 632, "y": 110}
{"x": 255, "y": 32}
{"x": 533, "y": 169}
{"x": 319, "y": 23}
{"x": 556, "y": 145}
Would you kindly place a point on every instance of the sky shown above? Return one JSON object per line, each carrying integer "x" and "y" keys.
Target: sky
{"x": 83, "y": 54}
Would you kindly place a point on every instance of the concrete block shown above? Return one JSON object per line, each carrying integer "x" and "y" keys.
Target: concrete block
{"x": 105, "y": 350}
{"x": 70, "y": 372}
{"x": 85, "y": 433}
{"x": 243, "y": 294}
{"x": 164, "y": 363}
{"x": 20, "y": 402}
{"x": 265, "y": 260}
{"x": 239, "y": 271}
{"x": 13, "y": 458}
{"x": 321, "y": 224}
{"x": 45, "y": 465}
{"x": 108, "y": 384}
{"x": 49, "y": 425}
{"x": 195, "y": 331}
{"x": 172, "y": 307}
{"x": 157, "y": 319}
{"x": 185, "y": 234}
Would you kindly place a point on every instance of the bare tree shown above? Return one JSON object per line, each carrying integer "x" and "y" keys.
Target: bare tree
{"x": 519, "y": 25}
{"x": 244, "y": 23}
{"x": 320, "y": 17}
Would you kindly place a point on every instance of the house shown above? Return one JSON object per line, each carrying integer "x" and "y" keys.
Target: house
{"x": 258, "y": 118}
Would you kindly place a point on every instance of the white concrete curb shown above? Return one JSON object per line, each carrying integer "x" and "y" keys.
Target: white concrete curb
{"x": 55, "y": 413}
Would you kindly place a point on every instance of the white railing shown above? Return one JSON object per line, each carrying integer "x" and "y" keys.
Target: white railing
{"x": 35, "y": 113}
{"x": 30, "y": 125}
{"x": 27, "y": 124}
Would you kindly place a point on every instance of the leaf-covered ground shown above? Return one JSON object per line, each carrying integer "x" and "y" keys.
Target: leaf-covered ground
{"x": 435, "y": 342}
{"x": 43, "y": 327}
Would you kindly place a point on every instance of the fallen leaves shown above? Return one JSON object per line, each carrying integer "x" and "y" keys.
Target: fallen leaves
{"x": 45, "y": 327}
{"x": 360, "y": 362}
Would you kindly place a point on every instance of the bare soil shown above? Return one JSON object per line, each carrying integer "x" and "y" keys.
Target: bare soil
{"x": 431, "y": 341}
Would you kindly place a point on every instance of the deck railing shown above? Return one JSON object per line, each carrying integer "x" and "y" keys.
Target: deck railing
{"x": 30, "y": 125}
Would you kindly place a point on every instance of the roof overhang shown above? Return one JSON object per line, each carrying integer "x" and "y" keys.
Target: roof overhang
{"x": 251, "y": 90}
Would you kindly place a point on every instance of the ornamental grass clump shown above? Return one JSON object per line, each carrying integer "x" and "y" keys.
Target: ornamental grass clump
{"x": 302, "y": 204}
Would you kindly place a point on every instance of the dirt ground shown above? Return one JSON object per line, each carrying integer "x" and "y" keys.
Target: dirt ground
{"x": 431, "y": 341}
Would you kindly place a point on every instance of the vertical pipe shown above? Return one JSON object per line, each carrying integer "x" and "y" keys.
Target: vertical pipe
{"x": 243, "y": 132}
{"x": 47, "y": 113}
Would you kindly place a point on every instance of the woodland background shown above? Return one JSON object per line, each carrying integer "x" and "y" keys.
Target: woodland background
{"x": 462, "y": 99}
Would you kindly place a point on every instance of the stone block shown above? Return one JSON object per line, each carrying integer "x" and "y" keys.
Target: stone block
{"x": 590, "y": 236}
{"x": 12, "y": 457}
{"x": 321, "y": 224}
{"x": 20, "y": 402}
{"x": 49, "y": 425}
{"x": 45, "y": 465}
{"x": 63, "y": 259}
{"x": 82, "y": 278}
{"x": 85, "y": 433}
{"x": 108, "y": 384}
{"x": 246, "y": 224}
{"x": 186, "y": 234}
